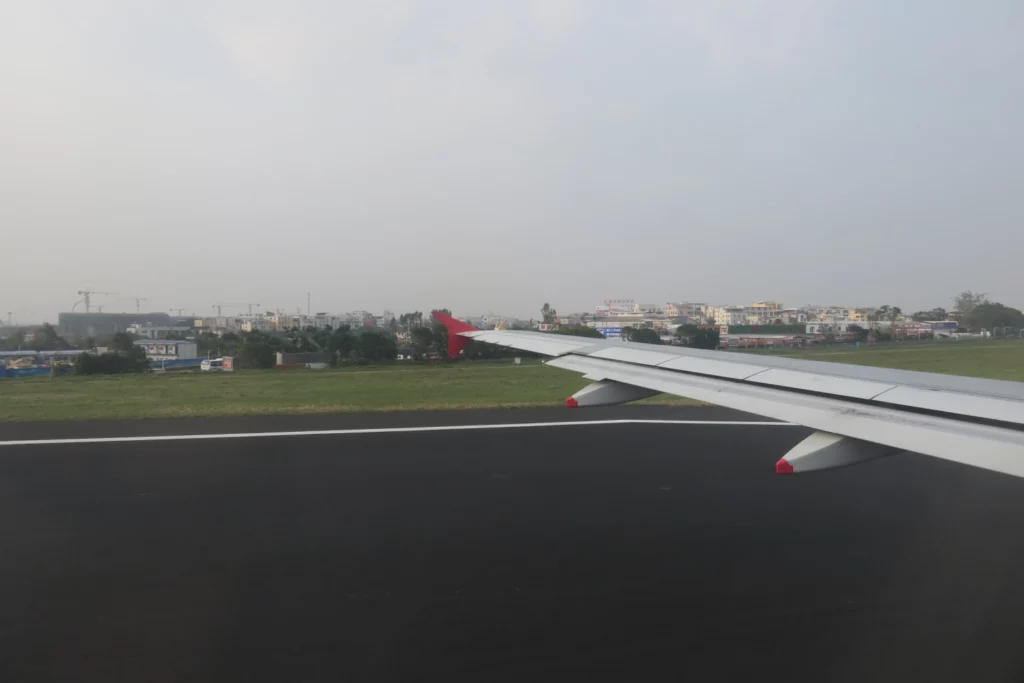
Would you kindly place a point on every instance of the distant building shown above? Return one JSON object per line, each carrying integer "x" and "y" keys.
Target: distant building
{"x": 256, "y": 323}
{"x": 82, "y": 325}
{"x": 617, "y": 306}
{"x": 768, "y": 306}
{"x": 168, "y": 349}
{"x": 156, "y": 331}
{"x": 685, "y": 308}
{"x": 728, "y": 315}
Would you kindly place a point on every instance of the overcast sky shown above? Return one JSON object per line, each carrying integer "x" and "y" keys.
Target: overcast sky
{"x": 491, "y": 156}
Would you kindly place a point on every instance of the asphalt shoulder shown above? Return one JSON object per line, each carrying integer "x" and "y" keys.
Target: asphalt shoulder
{"x": 16, "y": 431}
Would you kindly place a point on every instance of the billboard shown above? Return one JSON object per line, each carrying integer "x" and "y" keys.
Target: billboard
{"x": 610, "y": 331}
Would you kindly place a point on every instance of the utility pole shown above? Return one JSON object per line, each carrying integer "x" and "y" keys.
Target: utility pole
{"x": 307, "y": 304}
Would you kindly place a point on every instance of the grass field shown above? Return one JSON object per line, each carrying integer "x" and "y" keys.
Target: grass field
{"x": 1003, "y": 359}
{"x": 280, "y": 392}
{"x": 418, "y": 387}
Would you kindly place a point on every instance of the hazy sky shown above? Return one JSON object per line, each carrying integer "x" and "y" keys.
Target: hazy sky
{"x": 488, "y": 155}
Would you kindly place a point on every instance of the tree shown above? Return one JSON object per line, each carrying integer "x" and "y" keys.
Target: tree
{"x": 699, "y": 337}
{"x": 991, "y": 315}
{"x": 409, "y": 320}
{"x": 376, "y": 346}
{"x": 440, "y": 339}
{"x": 886, "y": 313}
{"x": 933, "y": 314}
{"x": 14, "y": 342}
{"x": 422, "y": 339}
{"x": 964, "y": 303}
{"x": 642, "y": 335}
{"x": 123, "y": 342}
{"x": 111, "y": 363}
{"x": 860, "y": 333}
{"x": 256, "y": 353}
{"x": 341, "y": 342}
{"x": 47, "y": 339}
{"x": 548, "y": 314}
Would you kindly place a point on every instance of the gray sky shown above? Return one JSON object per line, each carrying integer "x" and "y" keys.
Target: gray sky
{"x": 497, "y": 155}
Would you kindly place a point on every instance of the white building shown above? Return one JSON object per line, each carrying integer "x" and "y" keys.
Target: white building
{"x": 168, "y": 349}
{"x": 728, "y": 315}
{"x": 256, "y": 323}
{"x": 156, "y": 331}
{"x": 617, "y": 307}
{"x": 685, "y": 309}
{"x": 322, "y": 321}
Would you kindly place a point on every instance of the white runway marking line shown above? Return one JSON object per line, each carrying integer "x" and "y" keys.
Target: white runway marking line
{"x": 380, "y": 430}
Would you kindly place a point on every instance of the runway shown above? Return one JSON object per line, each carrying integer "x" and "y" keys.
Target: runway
{"x": 604, "y": 551}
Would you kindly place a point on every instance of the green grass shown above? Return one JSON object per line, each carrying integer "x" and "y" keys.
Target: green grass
{"x": 412, "y": 387}
{"x": 283, "y": 392}
{"x": 995, "y": 359}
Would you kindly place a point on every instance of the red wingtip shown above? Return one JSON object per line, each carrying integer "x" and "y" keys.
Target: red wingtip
{"x": 453, "y": 324}
{"x": 783, "y": 467}
{"x": 571, "y": 403}
{"x": 455, "y": 342}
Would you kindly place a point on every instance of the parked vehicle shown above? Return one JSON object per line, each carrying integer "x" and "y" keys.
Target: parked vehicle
{"x": 212, "y": 365}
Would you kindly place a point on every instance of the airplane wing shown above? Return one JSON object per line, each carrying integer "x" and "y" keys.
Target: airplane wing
{"x": 858, "y": 413}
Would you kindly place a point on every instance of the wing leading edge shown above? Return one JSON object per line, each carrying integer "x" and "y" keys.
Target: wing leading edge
{"x": 859, "y": 413}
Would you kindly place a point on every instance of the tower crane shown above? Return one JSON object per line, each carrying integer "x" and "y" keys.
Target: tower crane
{"x": 86, "y": 295}
{"x": 220, "y": 305}
{"x": 138, "y": 301}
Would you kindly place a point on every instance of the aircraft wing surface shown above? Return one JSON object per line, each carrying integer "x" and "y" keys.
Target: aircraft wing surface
{"x": 858, "y": 413}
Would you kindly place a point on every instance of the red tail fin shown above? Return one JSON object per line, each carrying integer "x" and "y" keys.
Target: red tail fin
{"x": 455, "y": 342}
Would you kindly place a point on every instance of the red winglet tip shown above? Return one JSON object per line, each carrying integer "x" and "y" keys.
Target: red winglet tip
{"x": 783, "y": 467}
{"x": 571, "y": 403}
{"x": 455, "y": 343}
{"x": 453, "y": 324}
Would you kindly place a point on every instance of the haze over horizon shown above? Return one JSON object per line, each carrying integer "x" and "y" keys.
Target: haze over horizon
{"x": 496, "y": 156}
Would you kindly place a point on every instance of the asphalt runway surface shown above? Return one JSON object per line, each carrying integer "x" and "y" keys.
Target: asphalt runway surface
{"x": 618, "y": 552}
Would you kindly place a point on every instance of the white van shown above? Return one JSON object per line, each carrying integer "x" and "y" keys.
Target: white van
{"x": 212, "y": 365}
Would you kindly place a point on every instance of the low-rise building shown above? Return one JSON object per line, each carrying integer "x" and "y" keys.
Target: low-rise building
{"x": 168, "y": 349}
{"x": 157, "y": 331}
{"x": 685, "y": 308}
{"x": 728, "y": 315}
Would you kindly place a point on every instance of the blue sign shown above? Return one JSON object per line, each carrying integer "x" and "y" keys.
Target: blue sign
{"x": 610, "y": 331}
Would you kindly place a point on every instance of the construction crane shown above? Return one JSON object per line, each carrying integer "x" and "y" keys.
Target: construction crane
{"x": 86, "y": 295}
{"x": 137, "y": 299}
{"x": 219, "y": 306}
